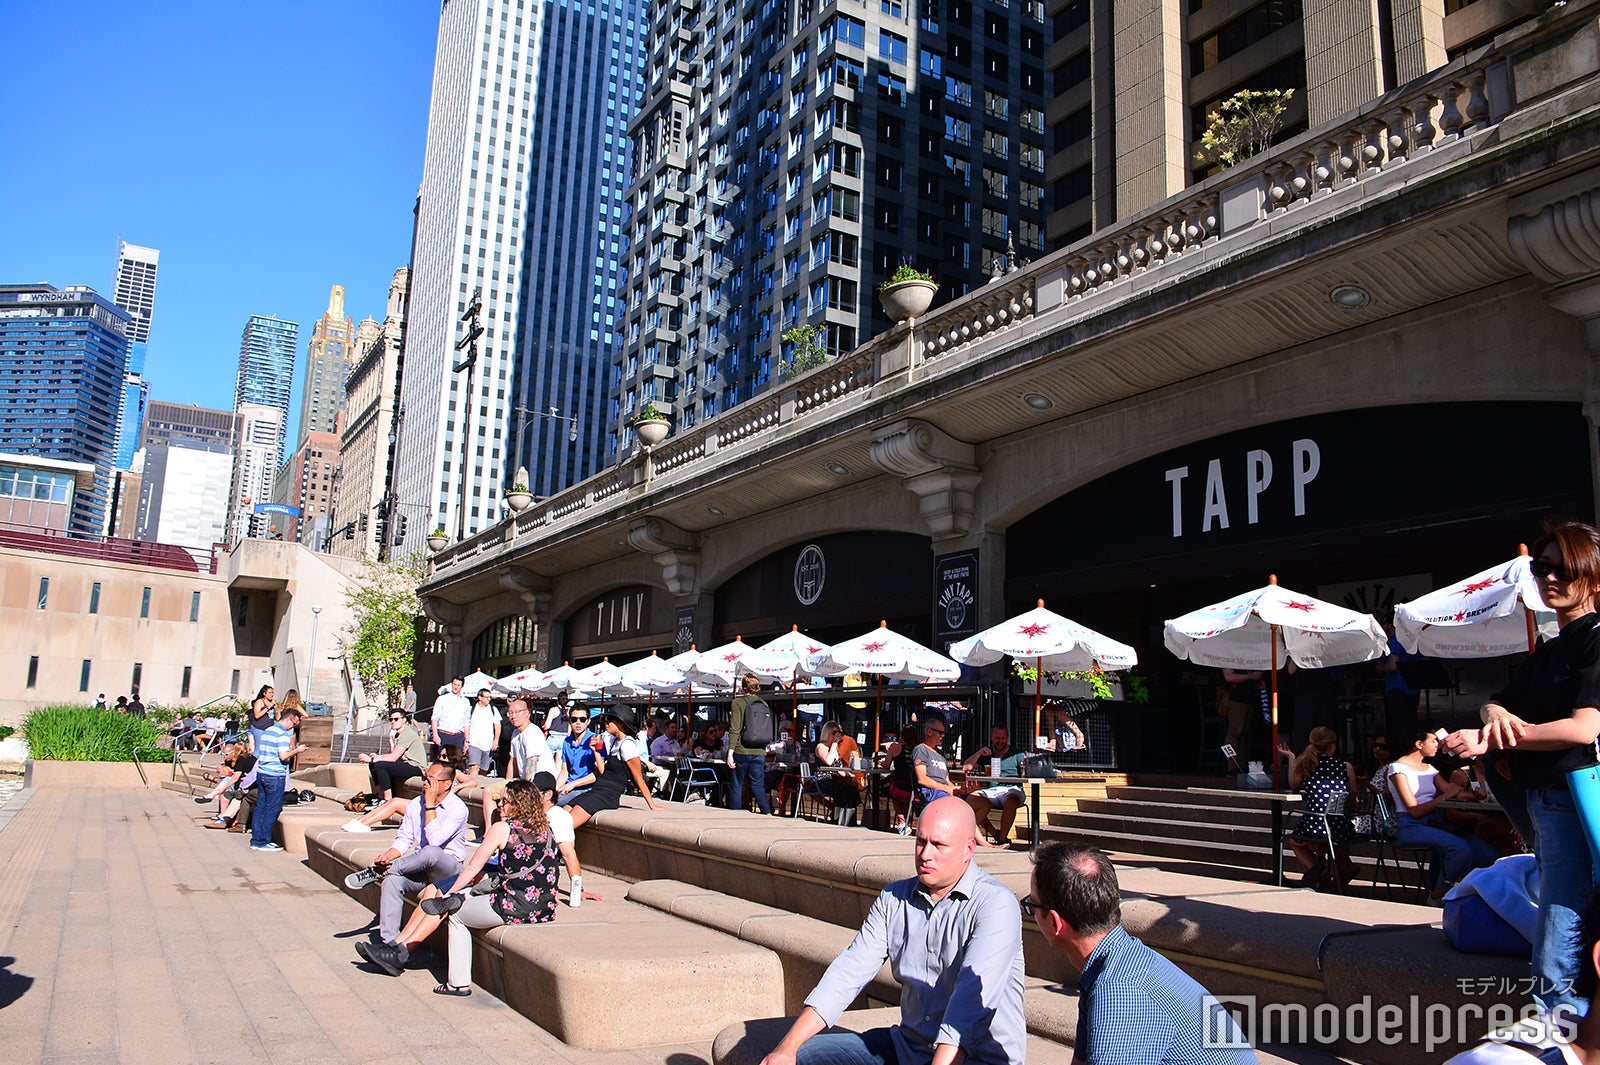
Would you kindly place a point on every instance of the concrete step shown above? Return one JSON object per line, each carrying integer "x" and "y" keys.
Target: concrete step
{"x": 1168, "y": 811}
{"x": 1200, "y": 831}
{"x": 1182, "y": 796}
{"x": 1244, "y": 854}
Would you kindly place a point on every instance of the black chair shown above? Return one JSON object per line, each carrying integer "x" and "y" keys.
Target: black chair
{"x": 1384, "y": 834}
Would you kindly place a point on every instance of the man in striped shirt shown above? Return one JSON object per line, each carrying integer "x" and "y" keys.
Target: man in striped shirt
{"x": 274, "y": 747}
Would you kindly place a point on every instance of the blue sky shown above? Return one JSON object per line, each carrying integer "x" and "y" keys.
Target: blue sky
{"x": 269, "y": 150}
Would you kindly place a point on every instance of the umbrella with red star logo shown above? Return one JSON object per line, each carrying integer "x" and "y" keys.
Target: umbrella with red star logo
{"x": 1492, "y": 613}
{"x": 793, "y": 653}
{"x": 1051, "y": 642}
{"x": 719, "y": 666}
{"x": 1264, "y": 628}
{"x": 890, "y": 655}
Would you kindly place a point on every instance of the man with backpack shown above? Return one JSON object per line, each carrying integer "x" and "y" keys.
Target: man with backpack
{"x": 750, "y": 729}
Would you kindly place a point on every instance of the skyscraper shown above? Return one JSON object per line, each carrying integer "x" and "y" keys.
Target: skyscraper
{"x": 188, "y": 475}
{"x": 790, "y": 156}
{"x": 134, "y": 292}
{"x": 63, "y": 354}
{"x": 523, "y": 160}
{"x": 329, "y": 353}
{"x": 266, "y": 370}
{"x": 372, "y": 400}
{"x": 256, "y": 447}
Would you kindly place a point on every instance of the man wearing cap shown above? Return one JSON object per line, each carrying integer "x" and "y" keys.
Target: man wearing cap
{"x": 564, "y": 834}
{"x": 952, "y": 935}
{"x": 430, "y": 847}
{"x": 273, "y": 751}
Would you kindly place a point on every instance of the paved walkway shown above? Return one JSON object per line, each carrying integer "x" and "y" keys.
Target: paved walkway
{"x": 128, "y": 935}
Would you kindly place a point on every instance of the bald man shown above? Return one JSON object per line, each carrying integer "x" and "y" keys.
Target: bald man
{"x": 952, "y": 935}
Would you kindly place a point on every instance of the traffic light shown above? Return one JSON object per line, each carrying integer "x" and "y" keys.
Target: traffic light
{"x": 363, "y": 523}
{"x": 400, "y": 531}
{"x": 349, "y": 530}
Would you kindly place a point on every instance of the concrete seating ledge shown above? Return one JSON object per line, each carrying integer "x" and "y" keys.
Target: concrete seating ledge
{"x": 565, "y": 976}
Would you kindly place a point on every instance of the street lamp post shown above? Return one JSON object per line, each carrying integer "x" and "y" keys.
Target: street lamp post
{"x": 311, "y": 667}
{"x": 464, "y": 445}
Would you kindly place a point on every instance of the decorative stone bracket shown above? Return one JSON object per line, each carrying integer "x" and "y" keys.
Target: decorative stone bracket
{"x": 1556, "y": 234}
{"x": 677, "y": 552}
{"x": 448, "y": 616}
{"x": 534, "y": 590}
{"x": 939, "y": 469}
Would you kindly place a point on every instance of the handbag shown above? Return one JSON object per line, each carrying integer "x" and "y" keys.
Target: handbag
{"x": 1038, "y": 767}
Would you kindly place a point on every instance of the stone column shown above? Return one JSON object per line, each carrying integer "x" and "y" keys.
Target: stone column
{"x": 535, "y": 592}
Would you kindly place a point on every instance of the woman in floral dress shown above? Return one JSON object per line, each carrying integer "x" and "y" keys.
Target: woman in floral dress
{"x": 525, "y": 894}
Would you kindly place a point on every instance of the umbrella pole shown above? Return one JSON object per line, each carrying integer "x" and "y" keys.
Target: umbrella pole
{"x": 1038, "y": 696}
{"x": 877, "y": 727}
{"x": 1274, "y": 653}
{"x": 1527, "y": 612}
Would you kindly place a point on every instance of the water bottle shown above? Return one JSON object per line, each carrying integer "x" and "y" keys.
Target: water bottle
{"x": 576, "y": 898}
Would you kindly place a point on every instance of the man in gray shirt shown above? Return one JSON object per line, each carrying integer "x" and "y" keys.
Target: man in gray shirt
{"x": 953, "y": 938}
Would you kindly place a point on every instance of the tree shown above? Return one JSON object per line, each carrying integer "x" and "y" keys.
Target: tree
{"x": 381, "y": 638}
{"x": 806, "y": 349}
{"x": 1243, "y": 125}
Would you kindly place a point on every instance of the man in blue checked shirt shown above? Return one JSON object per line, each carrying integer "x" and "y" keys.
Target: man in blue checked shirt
{"x": 1134, "y": 1006}
{"x": 274, "y": 747}
{"x": 953, "y": 937}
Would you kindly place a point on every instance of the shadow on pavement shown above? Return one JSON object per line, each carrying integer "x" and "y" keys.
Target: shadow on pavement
{"x": 12, "y": 985}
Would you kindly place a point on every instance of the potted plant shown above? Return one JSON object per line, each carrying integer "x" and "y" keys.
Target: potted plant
{"x": 806, "y": 350}
{"x": 907, "y": 293}
{"x": 437, "y": 539}
{"x": 650, "y": 425}
{"x": 518, "y": 498}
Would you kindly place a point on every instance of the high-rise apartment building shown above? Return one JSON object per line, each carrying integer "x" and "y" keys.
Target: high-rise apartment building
{"x": 63, "y": 354}
{"x": 166, "y": 422}
{"x": 256, "y": 445}
{"x": 329, "y": 353}
{"x": 524, "y": 154}
{"x": 307, "y": 484}
{"x": 135, "y": 292}
{"x": 266, "y": 369}
{"x": 184, "y": 494}
{"x": 1134, "y": 81}
{"x": 789, "y": 157}
{"x": 366, "y": 444}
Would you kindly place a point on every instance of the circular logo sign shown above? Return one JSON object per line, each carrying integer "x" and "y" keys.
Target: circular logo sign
{"x": 810, "y": 572}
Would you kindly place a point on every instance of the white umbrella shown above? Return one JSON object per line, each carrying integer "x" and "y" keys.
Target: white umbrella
{"x": 522, "y": 680}
{"x": 888, "y": 654}
{"x": 558, "y": 681}
{"x": 473, "y": 682}
{"x": 596, "y": 678}
{"x": 1053, "y": 642}
{"x": 1492, "y": 613}
{"x": 792, "y": 653}
{"x": 1264, "y": 628}
{"x": 647, "y": 675}
{"x": 719, "y": 665}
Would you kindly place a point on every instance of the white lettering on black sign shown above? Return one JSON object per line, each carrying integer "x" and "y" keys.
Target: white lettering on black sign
{"x": 619, "y": 615}
{"x": 1305, "y": 463}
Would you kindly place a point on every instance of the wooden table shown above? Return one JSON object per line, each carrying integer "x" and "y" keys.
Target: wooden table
{"x": 1016, "y": 782}
{"x": 1277, "y": 800}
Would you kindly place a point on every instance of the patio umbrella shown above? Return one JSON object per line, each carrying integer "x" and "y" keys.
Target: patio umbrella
{"x": 720, "y": 665}
{"x": 598, "y": 678}
{"x": 1053, "y": 642}
{"x": 646, "y": 676}
{"x": 785, "y": 659}
{"x": 472, "y": 682}
{"x": 555, "y": 682}
{"x": 684, "y": 663}
{"x": 1492, "y": 613}
{"x": 1264, "y": 628}
{"x": 522, "y": 680}
{"x": 890, "y": 655}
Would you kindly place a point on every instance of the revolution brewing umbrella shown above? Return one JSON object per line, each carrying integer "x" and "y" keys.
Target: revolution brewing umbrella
{"x": 1496, "y": 612}
{"x": 1262, "y": 629}
{"x": 890, "y": 655}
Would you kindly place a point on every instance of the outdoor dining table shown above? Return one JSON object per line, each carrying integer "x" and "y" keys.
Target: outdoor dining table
{"x": 1277, "y": 800}
{"x": 1033, "y": 799}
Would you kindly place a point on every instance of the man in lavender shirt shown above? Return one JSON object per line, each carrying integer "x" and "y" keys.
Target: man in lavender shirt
{"x": 430, "y": 847}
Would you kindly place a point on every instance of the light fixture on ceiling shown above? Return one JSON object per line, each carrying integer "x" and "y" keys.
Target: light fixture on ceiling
{"x": 1351, "y": 297}
{"x": 1037, "y": 401}
{"x": 714, "y": 510}
{"x": 622, "y": 543}
{"x": 835, "y": 468}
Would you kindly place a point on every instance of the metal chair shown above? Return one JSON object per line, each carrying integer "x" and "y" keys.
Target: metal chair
{"x": 812, "y": 802}
{"x": 692, "y": 778}
{"x": 1385, "y": 836}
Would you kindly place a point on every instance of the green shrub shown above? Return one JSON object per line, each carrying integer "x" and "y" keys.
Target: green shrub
{"x": 71, "y": 733}
{"x": 6, "y": 732}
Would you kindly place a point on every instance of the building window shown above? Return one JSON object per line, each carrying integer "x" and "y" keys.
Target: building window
{"x": 138, "y": 674}
{"x": 194, "y": 605}
{"x": 33, "y": 671}
{"x": 144, "y": 603}
{"x": 83, "y": 676}
{"x": 244, "y": 612}
{"x": 94, "y": 598}
{"x": 183, "y": 690}
{"x": 44, "y": 592}
{"x": 891, "y": 46}
{"x": 233, "y": 684}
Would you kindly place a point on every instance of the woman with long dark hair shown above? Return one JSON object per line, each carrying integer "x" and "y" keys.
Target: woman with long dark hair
{"x": 616, "y": 767}
{"x": 1542, "y": 726}
{"x": 263, "y": 712}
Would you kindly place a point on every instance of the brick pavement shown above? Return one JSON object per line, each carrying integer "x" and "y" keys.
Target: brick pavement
{"x": 128, "y": 934}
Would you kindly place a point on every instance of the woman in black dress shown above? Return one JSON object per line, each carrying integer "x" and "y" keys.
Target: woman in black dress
{"x": 616, "y": 768}
{"x": 1320, "y": 776}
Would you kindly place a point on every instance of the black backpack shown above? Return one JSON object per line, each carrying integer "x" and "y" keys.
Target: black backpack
{"x": 758, "y": 729}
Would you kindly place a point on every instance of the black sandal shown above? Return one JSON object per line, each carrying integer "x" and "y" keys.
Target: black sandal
{"x": 452, "y": 990}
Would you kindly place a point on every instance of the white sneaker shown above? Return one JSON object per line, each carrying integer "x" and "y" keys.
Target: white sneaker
{"x": 354, "y": 825}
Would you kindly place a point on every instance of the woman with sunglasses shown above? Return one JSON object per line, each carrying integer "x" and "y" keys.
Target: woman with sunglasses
{"x": 1541, "y": 727}
{"x": 525, "y": 893}
{"x": 615, "y": 768}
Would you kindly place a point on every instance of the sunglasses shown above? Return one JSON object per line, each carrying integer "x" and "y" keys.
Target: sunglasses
{"x": 1543, "y": 567}
{"x": 1031, "y": 906}
{"x": 577, "y": 720}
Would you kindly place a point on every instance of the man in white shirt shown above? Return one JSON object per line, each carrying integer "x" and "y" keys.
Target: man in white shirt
{"x": 451, "y": 714}
{"x": 530, "y": 754}
{"x": 483, "y": 734}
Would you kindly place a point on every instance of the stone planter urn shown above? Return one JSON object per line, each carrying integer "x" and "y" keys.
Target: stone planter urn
{"x": 437, "y": 542}
{"x": 908, "y": 299}
{"x": 519, "y": 501}
{"x": 651, "y": 431}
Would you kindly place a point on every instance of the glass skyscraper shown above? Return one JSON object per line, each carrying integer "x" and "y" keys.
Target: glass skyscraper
{"x": 63, "y": 354}
{"x": 135, "y": 292}
{"x": 522, "y": 197}
{"x": 266, "y": 368}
